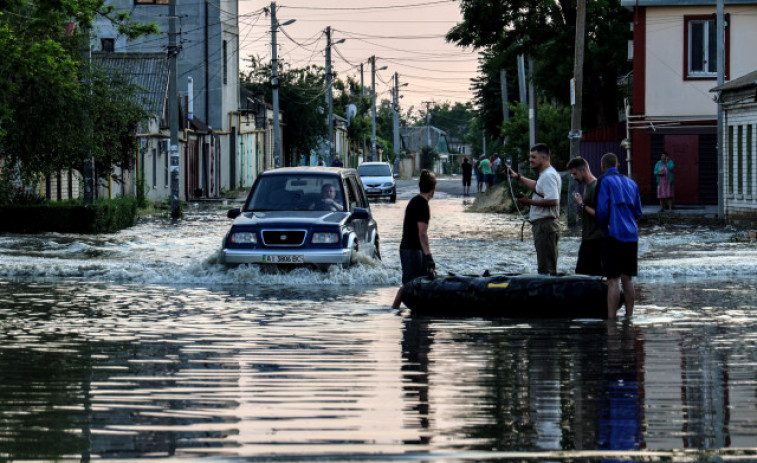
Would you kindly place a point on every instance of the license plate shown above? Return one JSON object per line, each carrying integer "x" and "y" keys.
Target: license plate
{"x": 284, "y": 259}
{"x": 373, "y": 190}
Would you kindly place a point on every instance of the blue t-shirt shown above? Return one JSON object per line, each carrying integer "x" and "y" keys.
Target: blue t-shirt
{"x": 618, "y": 206}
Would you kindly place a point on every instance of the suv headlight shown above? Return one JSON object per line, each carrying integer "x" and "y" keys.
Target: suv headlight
{"x": 325, "y": 238}
{"x": 244, "y": 238}
{"x": 388, "y": 185}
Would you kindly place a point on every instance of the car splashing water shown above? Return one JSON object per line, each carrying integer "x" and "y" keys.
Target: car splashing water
{"x": 138, "y": 345}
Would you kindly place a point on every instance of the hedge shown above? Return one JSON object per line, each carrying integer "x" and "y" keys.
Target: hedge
{"x": 105, "y": 216}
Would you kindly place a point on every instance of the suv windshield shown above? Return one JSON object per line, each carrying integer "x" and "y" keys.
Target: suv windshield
{"x": 382, "y": 170}
{"x": 295, "y": 193}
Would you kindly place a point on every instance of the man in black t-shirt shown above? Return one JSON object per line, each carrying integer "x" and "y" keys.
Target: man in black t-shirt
{"x": 415, "y": 253}
{"x": 467, "y": 169}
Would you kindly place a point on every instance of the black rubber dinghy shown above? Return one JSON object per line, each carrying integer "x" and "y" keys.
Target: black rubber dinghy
{"x": 509, "y": 296}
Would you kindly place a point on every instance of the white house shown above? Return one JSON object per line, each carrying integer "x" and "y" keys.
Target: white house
{"x": 674, "y": 68}
{"x": 739, "y": 100}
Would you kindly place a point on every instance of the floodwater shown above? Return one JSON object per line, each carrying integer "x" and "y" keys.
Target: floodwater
{"x": 138, "y": 346}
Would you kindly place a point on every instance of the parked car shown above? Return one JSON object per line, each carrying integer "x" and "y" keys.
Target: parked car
{"x": 378, "y": 180}
{"x": 314, "y": 216}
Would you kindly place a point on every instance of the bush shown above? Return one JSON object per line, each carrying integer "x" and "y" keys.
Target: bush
{"x": 105, "y": 216}
{"x": 428, "y": 157}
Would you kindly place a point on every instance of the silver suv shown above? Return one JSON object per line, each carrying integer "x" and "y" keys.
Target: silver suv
{"x": 313, "y": 216}
{"x": 378, "y": 180}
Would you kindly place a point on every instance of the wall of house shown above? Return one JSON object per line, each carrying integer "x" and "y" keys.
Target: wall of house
{"x": 154, "y": 165}
{"x": 64, "y": 185}
{"x": 215, "y": 73}
{"x": 740, "y": 143}
{"x": 667, "y": 93}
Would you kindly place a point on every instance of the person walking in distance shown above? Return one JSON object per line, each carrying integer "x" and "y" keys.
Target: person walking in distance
{"x": 467, "y": 169}
{"x": 545, "y": 209}
{"x": 590, "y": 252}
{"x": 415, "y": 252}
{"x": 484, "y": 166}
{"x": 618, "y": 209}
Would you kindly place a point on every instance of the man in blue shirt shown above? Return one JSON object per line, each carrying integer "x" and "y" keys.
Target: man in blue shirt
{"x": 618, "y": 208}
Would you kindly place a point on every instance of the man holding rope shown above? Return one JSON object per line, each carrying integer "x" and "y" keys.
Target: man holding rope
{"x": 545, "y": 209}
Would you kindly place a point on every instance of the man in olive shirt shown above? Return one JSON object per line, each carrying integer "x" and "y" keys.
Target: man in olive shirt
{"x": 590, "y": 253}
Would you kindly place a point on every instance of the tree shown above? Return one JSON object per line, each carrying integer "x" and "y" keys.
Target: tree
{"x": 302, "y": 101}
{"x": 350, "y": 92}
{"x": 553, "y": 123}
{"x": 545, "y": 31}
{"x": 46, "y": 93}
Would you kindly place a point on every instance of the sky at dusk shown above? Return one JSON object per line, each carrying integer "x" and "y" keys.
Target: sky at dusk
{"x": 406, "y": 36}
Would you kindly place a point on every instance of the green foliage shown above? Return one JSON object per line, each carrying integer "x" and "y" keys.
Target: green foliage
{"x": 350, "y": 92}
{"x": 429, "y": 156}
{"x": 105, "y": 216}
{"x": 52, "y": 110}
{"x": 545, "y": 31}
{"x": 454, "y": 119}
{"x": 553, "y": 124}
{"x": 302, "y": 101}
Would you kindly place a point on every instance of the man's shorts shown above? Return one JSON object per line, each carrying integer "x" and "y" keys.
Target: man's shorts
{"x": 466, "y": 181}
{"x": 413, "y": 264}
{"x": 620, "y": 258}
{"x": 590, "y": 257}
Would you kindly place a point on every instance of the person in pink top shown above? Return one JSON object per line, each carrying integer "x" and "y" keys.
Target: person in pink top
{"x": 663, "y": 170}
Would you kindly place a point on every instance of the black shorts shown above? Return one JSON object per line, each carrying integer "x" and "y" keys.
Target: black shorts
{"x": 413, "y": 264}
{"x": 466, "y": 181}
{"x": 590, "y": 257}
{"x": 620, "y": 258}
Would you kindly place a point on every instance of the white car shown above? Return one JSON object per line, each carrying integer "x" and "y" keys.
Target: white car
{"x": 378, "y": 180}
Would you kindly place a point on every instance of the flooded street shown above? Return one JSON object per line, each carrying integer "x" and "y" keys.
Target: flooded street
{"x": 139, "y": 346}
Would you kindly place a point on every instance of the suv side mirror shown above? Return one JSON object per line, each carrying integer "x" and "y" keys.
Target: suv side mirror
{"x": 233, "y": 213}
{"x": 360, "y": 214}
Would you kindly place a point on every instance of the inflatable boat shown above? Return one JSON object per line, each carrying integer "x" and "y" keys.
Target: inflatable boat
{"x": 508, "y": 296}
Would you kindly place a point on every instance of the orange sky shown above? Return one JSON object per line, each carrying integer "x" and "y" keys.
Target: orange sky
{"x": 407, "y": 36}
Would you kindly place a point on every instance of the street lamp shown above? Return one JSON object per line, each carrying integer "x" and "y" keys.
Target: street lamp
{"x": 373, "y": 105}
{"x": 275, "y": 83}
{"x": 329, "y": 94}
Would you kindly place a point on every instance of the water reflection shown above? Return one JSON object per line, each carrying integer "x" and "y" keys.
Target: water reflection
{"x": 525, "y": 387}
{"x": 137, "y": 346}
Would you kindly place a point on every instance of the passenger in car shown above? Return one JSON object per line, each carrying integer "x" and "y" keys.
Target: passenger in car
{"x": 328, "y": 200}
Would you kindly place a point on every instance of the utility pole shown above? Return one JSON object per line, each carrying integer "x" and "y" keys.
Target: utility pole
{"x": 275, "y": 85}
{"x": 373, "y": 106}
{"x": 275, "y": 88}
{"x": 505, "y": 109}
{"x": 532, "y": 109}
{"x": 88, "y": 167}
{"x": 428, "y": 121}
{"x": 720, "y": 44}
{"x": 577, "y": 102}
{"x": 396, "y": 114}
{"x": 373, "y": 109}
{"x": 522, "y": 79}
{"x": 361, "y": 109}
{"x": 503, "y": 88}
{"x": 173, "y": 110}
{"x": 329, "y": 94}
